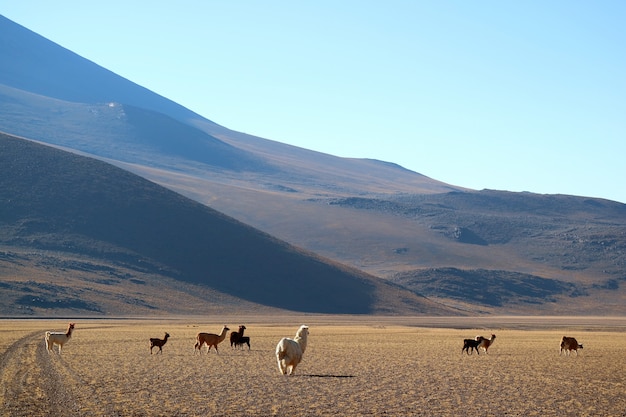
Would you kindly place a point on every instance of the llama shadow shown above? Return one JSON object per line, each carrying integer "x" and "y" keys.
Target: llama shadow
{"x": 326, "y": 376}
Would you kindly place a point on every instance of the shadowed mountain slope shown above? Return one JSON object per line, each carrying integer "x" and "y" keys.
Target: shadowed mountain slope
{"x": 57, "y": 202}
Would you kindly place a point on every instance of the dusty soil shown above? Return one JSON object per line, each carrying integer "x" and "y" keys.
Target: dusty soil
{"x": 358, "y": 367}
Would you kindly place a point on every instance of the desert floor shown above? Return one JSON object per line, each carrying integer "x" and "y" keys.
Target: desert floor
{"x": 359, "y": 366}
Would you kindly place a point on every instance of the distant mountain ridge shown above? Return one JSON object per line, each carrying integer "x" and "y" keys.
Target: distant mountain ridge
{"x": 421, "y": 234}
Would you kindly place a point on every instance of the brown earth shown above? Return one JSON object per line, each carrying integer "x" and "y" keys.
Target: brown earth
{"x": 352, "y": 367}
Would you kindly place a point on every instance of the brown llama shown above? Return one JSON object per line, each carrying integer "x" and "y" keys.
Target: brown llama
{"x": 211, "y": 340}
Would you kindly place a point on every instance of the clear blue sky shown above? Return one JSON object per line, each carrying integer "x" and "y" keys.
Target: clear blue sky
{"x": 517, "y": 95}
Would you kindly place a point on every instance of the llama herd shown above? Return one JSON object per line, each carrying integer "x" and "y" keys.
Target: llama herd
{"x": 567, "y": 345}
{"x": 289, "y": 351}
{"x": 477, "y": 342}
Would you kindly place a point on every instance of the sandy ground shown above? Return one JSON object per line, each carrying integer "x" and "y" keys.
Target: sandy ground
{"x": 360, "y": 367}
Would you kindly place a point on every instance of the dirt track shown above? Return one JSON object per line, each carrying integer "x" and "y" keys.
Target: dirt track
{"x": 359, "y": 370}
{"x": 36, "y": 388}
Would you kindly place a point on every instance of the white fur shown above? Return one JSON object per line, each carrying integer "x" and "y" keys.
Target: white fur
{"x": 58, "y": 338}
{"x": 289, "y": 351}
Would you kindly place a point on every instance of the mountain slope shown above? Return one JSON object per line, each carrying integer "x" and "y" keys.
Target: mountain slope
{"x": 511, "y": 252}
{"x": 430, "y": 237}
{"x": 57, "y": 202}
{"x": 32, "y": 63}
{"x": 37, "y": 72}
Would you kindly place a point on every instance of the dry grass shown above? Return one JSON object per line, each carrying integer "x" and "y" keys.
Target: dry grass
{"x": 349, "y": 369}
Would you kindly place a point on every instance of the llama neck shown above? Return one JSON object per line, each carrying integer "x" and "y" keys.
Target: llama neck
{"x": 302, "y": 342}
{"x": 222, "y": 335}
{"x": 68, "y": 334}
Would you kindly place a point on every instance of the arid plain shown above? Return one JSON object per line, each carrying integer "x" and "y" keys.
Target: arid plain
{"x": 353, "y": 366}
